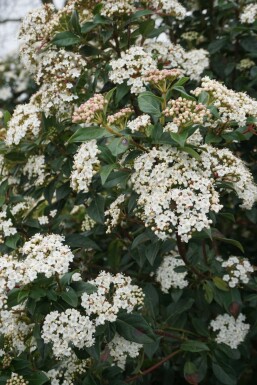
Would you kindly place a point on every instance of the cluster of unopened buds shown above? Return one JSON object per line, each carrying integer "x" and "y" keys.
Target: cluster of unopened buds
{"x": 159, "y": 78}
{"x": 184, "y": 111}
{"x": 90, "y": 111}
{"x": 121, "y": 117}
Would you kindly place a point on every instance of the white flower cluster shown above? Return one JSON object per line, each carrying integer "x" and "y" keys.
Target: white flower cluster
{"x": 88, "y": 223}
{"x": 232, "y": 106}
{"x": 14, "y": 329}
{"x": 131, "y": 67}
{"x": 170, "y": 7}
{"x": 23, "y": 206}
{"x": 46, "y": 254}
{"x": 186, "y": 188}
{"x": 228, "y": 168}
{"x": 249, "y": 14}
{"x": 185, "y": 193}
{"x": 114, "y": 292}
{"x": 6, "y": 225}
{"x": 139, "y": 123}
{"x": 85, "y": 162}
{"x": 192, "y": 63}
{"x": 34, "y": 35}
{"x": 231, "y": 331}
{"x": 113, "y": 213}
{"x": 25, "y": 122}
{"x": 67, "y": 328}
{"x": 58, "y": 71}
{"x": 67, "y": 370}
{"x": 245, "y": 64}
{"x": 238, "y": 271}
{"x": 120, "y": 349}
{"x": 117, "y": 8}
{"x": 167, "y": 275}
{"x": 11, "y": 273}
{"x": 35, "y": 169}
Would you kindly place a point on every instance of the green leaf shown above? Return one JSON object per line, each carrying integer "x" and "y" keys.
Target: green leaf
{"x": 149, "y": 103}
{"x": 220, "y": 284}
{"x": 146, "y": 27}
{"x": 249, "y": 43}
{"x": 204, "y": 98}
{"x": 65, "y": 39}
{"x": 7, "y": 117}
{"x": 181, "y": 81}
{"x": 133, "y": 327}
{"x": 137, "y": 15}
{"x": 88, "y": 26}
{"x": 105, "y": 171}
{"x": 118, "y": 146}
{"x": 96, "y": 209}
{"x": 87, "y": 133}
{"x": 117, "y": 178}
{"x": 227, "y": 377}
{"x": 12, "y": 241}
{"x": 81, "y": 240}
{"x": 194, "y": 346}
{"x": 192, "y": 152}
{"x": 179, "y": 138}
{"x": 74, "y": 23}
{"x": 36, "y": 378}
{"x": 230, "y": 241}
{"x": 83, "y": 287}
{"x": 70, "y": 297}
{"x": 183, "y": 92}
{"x": 121, "y": 91}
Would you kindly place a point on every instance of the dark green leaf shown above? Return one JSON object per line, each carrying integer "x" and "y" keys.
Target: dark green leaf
{"x": 65, "y": 39}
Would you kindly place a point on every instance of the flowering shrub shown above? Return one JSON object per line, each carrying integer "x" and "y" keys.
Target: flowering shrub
{"x": 118, "y": 177}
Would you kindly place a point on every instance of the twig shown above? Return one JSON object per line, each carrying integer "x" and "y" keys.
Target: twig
{"x": 152, "y": 368}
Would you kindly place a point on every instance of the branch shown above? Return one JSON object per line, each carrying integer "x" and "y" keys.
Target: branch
{"x": 10, "y": 20}
{"x": 152, "y": 368}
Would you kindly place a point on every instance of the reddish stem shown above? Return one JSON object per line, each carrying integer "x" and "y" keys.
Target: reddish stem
{"x": 152, "y": 368}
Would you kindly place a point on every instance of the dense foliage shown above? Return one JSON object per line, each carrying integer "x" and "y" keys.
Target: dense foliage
{"x": 122, "y": 181}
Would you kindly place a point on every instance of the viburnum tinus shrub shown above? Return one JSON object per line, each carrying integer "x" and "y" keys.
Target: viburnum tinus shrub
{"x": 115, "y": 184}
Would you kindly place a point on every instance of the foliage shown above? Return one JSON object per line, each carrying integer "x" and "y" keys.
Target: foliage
{"x": 120, "y": 180}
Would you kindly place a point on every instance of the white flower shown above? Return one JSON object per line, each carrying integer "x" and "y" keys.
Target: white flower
{"x": 139, "y": 123}
{"x": 231, "y": 331}
{"x": 43, "y": 220}
{"x": 114, "y": 213}
{"x": 120, "y": 349}
{"x": 84, "y": 165}
{"x": 249, "y": 14}
{"x": 35, "y": 169}
{"x": 187, "y": 188}
{"x": 131, "y": 67}
{"x": 25, "y": 122}
{"x": 124, "y": 296}
{"x": 46, "y": 254}
{"x": 117, "y": 8}
{"x": 238, "y": 271}
{"x": 168, "y": 277}
{"x": 68, "y": 328}
{"x": 232, "y": 106}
